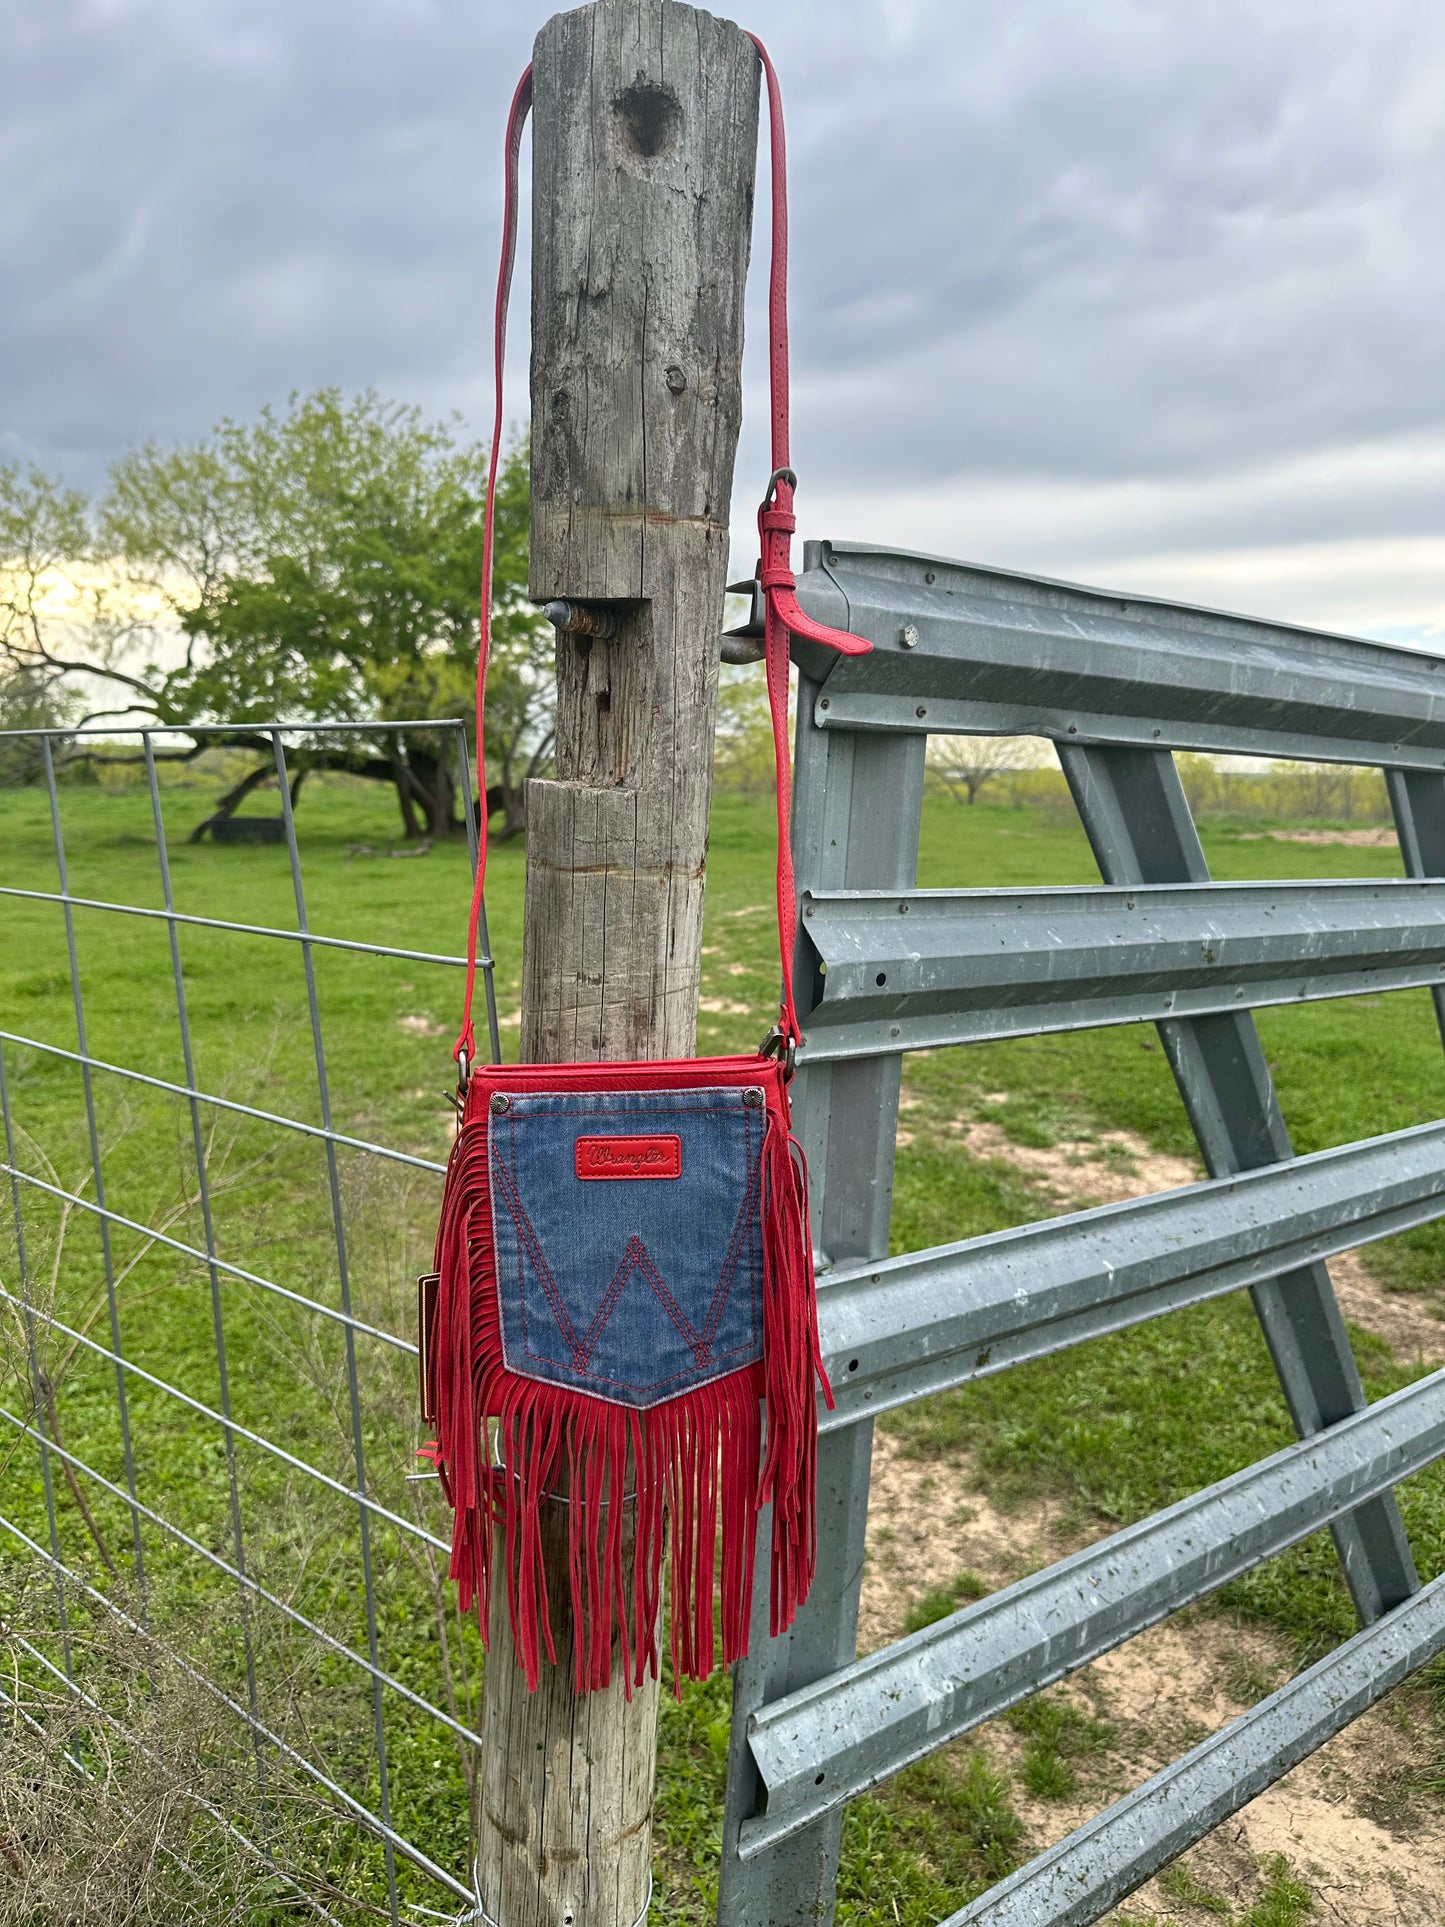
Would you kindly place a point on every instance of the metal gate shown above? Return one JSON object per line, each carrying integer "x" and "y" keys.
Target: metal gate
{"x": 1118, "y": 683}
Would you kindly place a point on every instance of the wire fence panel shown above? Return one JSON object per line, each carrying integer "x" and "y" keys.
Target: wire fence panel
{"x": 222, "y": 1181}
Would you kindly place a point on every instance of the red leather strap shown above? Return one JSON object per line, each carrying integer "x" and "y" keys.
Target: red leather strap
{"x": 776, "y": 523}
{"x": 465, "y": 1048}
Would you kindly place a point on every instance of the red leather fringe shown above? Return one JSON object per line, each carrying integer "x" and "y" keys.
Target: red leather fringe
{"x": 507, "y": 1445}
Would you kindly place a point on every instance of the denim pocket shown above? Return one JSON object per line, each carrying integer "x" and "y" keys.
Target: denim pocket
{"x": 627, "y": 1234}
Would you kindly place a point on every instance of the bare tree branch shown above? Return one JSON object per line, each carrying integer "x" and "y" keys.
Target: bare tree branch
{"x": 966, "y": 765}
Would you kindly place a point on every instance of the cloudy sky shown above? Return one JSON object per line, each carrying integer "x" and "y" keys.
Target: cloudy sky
{"x": 1143, "y": 292}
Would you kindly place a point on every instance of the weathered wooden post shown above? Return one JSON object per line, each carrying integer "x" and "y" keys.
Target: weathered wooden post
{"x": 645, "y": 130}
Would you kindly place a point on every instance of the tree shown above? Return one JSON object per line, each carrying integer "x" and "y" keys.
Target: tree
{"x": 28, "y": 702}
{"x": 318, "y": 565}
{"x": 968, "y": 764}
{"x": 324, "y": 564}
{"x": 44, "y": 534}
{"x": 743, "y": 756}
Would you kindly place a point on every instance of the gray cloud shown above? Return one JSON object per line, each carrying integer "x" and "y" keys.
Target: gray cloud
{"x": 207, "y": 207}
{"x": 1135, "y": 238}
{"x": 1110, "y": 284}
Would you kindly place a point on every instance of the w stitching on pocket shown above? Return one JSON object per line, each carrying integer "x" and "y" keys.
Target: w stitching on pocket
{"x": 527, "y": 1238}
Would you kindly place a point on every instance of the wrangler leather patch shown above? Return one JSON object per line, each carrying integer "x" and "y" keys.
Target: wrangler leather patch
{"x": 629, "y": 1157}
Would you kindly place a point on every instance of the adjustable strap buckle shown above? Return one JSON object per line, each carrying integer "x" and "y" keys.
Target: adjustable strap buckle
{"x": 776, "y": 520}
{"x": 781, "y": 1044}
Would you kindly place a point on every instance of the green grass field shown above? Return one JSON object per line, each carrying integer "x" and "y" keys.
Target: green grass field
{"x": 1114, "y": 1430}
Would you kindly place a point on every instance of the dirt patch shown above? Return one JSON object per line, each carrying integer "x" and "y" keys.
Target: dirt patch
{"x": 1078, "y": 1172}
{"x": 1407, "y": 1325}
{"x": 1348, "y": 1820}
{"x": 1115, "y": 1165}
{"x": 927, "y": 1525}
{"x": 1372, "y": 839}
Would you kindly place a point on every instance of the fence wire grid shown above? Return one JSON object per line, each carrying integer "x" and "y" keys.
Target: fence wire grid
{"x": 205, "y": 1285}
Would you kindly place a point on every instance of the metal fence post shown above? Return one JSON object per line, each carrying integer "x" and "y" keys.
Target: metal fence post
{"x": 343, "y": 1276}
{"x": 1417, "y": 798}
{"x": 32, "y": 1359}
{"x": 208, "y": 1231}
{"x": 97, "y": 1169}
{"x": 859, "y": 800}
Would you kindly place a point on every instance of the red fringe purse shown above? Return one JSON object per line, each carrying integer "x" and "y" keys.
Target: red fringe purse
{"x": 623, "y": 1309}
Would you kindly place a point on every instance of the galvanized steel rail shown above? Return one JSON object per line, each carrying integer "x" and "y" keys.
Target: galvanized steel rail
{"x": 915, "y": 969}
{"x": 1109, "y": 1857}
{"x": 827, "y": 1742}
{"x": 992, "y": 653}
{"x": 905, "y": 1327}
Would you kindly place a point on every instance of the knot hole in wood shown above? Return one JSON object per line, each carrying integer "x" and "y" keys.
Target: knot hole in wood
{"x": 650, "y": 117}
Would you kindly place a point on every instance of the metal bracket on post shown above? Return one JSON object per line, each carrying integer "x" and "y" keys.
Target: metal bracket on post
{"x": 744, "y": 644}
{"x": 1137, "y": 818}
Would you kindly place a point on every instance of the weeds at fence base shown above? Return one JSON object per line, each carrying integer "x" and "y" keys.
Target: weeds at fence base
{"x": 133, "y": 1801}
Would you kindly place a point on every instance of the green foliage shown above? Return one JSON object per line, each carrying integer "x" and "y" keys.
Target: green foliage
{"x": 1058, "y": 1734}
{"x": 43, "y": 531}
{"x": 28, "y": 701}
{"x": 1286, "y": 1900}
{"x": 324, "y": 562}
{"x": 43, "y": 527}
{"x": 1179, "y": 1883}
{"x": 318, "y": 564}
{"x": 944, "y": 1831}
{"x": 963, "y": 767}
{"x": 943, "y": 1600}
{"x": 1247, "y": 1678}
{"x": 743, "y": 754}
{"x": 1320, "y": 792}
{"x": 691, "y": 1778}
{"x": 44, "y": 534}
